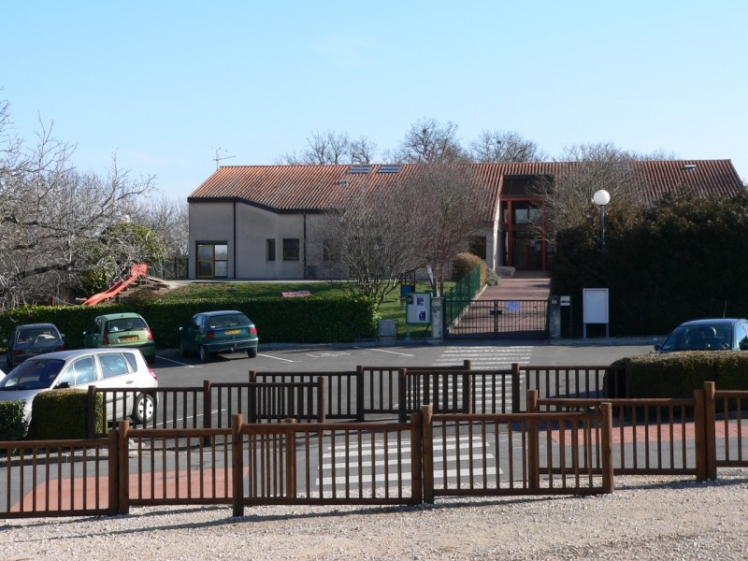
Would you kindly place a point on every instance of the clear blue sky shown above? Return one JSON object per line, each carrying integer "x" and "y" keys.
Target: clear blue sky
{"x": 164, "y": 84}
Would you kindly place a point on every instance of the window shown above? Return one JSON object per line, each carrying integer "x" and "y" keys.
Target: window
{"x": 113, "y": 365}
{"x": 290, "y": 249}
{"x": 212, "y": 260}
{"x": 270, "y": 250}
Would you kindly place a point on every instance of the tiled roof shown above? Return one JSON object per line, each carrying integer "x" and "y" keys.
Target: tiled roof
{"x": 313, "y": 188}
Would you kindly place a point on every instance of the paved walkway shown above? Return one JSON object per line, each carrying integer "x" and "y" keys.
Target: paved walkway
{"x": 524, "y": 285}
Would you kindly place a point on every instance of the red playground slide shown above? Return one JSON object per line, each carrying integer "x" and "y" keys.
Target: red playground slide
{"x": 136, "y": 271}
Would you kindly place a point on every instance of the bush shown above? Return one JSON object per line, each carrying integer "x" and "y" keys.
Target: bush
{"x": 12, "y": 424}
{"x": 63, "y": 414}
{"x": 679, "y": 374}
{"x": 679, "y": 260}
{"x": 465, "y": 262}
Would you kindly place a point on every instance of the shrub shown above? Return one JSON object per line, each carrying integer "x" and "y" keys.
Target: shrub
{"x": 679, "y": 374}
{"x": 12, "y": 424}
{"x": 465, "y": 262}
{"x": 63, "y": 414}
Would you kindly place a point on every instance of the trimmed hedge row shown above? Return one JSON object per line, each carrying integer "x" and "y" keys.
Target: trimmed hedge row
{"x": 679, "y": 374}
{"x": 291, "y": 320}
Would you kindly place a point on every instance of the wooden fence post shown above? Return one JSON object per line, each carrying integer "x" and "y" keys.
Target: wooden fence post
{"x": 123, "y": 455}
{"x": 360, "y": 389}
{"x": 402, "y": 413}
{"x": 606, "y": 437}
{"x": 702, "y": 460}
{"x": 91, "y": 413}
{"x": 427, "y": 439}
{"x": 533, "y": 442}
{"x": 237, "y": 465}
{"x": 322, "y": 399}
{"x": 710, "y": 437}
{"x": 113, "y": 465}
{"x": 416, "y": 447}
{"x": 207, "y": 409}
{"x": 516, "y": 407}
{"x": 291, "y": 459}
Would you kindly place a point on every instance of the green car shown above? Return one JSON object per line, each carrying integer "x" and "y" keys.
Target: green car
{"x": 121, "y": 330}
{"x": 224, "y": 331}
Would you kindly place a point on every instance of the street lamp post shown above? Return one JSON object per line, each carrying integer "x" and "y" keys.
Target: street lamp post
{"x": 601, "y": 198}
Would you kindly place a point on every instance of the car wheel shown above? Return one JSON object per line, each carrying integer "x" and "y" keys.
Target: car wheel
{"x": 182, "y": 349}
{"x": 204, "y": 354}
{"x": 251, "y": 353}
{"x": 144, "y": 408}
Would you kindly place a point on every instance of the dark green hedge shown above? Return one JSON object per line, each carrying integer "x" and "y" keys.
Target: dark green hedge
{"x": 61, "y": 414}
{"x": 291, "y": 320}
{"x": 681, "y": 260}
{"x": 679, "y": 374}
{"x": 12, "y": 425}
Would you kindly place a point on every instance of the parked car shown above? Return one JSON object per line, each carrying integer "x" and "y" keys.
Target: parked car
{"x": 223, "y": 331}
{"x": 718, "y": 334}
{"x": 121, "y": 330}
{"x": 104, "y": 368}
{"x": 30, "y": 340}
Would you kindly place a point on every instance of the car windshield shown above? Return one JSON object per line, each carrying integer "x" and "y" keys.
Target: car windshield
{"x": 36, "y": 337}
{"x": 699, "y": 338}
{"x": 125, "y": 324}
{"x": 32, "y": 375}
{"x": 228, "y": 320}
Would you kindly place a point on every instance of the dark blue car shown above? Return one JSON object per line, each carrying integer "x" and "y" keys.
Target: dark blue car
{"x": 718, "y": 334}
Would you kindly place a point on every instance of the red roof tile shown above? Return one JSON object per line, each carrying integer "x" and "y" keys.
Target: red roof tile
{"x": 314, "y": 188}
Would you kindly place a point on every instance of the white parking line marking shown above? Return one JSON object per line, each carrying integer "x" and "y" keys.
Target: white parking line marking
{"x": 392, "y": 352}
{"x": 275, "y": 357}
{"x": 181, "y": 363}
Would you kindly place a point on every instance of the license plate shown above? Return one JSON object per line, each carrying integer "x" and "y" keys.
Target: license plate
{"x": 128, "y": 339}
{"x": 232, "y": 331}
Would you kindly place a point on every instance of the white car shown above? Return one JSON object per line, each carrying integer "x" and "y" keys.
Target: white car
{"x": 103, "y": 368}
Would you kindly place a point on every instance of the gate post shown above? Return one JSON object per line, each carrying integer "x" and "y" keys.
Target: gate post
{"x": 437, "y": 318}
{"x": 554, "y": 317}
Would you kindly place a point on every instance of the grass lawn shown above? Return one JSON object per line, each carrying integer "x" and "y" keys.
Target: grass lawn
{"x": 391, "y": 308}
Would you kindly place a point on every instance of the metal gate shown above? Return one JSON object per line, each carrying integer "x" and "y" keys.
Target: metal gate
{"x": 496, "y": 319}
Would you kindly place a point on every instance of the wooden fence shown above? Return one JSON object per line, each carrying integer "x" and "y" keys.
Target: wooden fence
{"x": 561, "y": 445}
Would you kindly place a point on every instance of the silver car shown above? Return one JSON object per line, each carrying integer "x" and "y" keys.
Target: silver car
{"x": 103, "y": 368}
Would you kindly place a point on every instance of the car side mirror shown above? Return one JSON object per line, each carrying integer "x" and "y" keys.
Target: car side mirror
{"x": 181, "y": 328}
{"x": 657, "y": 347}
{"x": 85, "y": 333}
{"x": 62, "y": 385}
{"x": 744, "y": 346}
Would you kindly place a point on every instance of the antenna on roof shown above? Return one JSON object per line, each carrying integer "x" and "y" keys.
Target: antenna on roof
{"x": 218, "y": 158}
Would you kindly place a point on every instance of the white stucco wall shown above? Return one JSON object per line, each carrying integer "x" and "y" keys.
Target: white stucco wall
{"x": 245, "y": 229}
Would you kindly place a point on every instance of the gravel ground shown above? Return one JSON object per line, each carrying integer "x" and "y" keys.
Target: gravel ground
{"x": 645, "y": 518}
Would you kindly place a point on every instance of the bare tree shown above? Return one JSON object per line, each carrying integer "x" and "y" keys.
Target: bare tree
{"x": 369, "y": 240}
{"x": 381, "y": 234}
{"x": 332, "y": 148}
{"x": 504, "y": 146}
{"x": 567, "y": 203}
{"x": 449, "y": 213}
{"x": 429, "y": 142}
{"x": 51, "y": 216}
